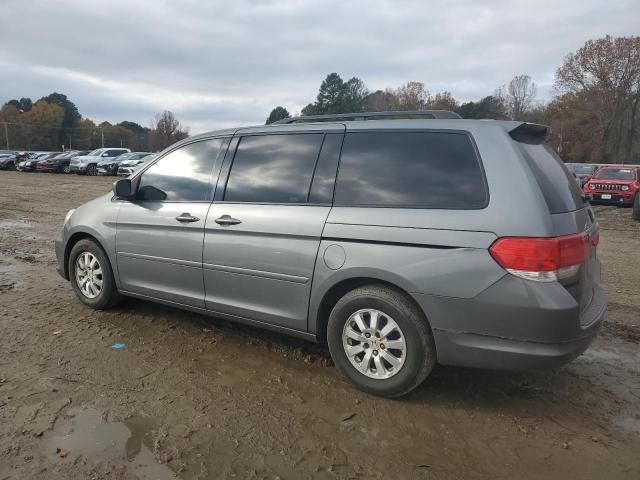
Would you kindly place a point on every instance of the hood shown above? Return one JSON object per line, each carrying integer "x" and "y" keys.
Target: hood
{"x": 609, "y": 181}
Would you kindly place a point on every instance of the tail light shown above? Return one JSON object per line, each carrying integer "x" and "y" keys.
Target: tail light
{"x": 541, "y": 259}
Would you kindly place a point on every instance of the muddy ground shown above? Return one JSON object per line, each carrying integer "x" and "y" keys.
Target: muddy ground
{"x": 195, "y": 397}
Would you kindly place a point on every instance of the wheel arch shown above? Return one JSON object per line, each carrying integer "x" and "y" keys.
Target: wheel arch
{"x": 73, "y": 239}
{"x": 341, "y": 288}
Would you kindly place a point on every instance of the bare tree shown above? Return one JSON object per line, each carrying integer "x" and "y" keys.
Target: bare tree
{"x": 166, "y": 130}
{"x": 412, "y": 96}
{"x": 605, "y": 74}
{"x": 520, "y": 95}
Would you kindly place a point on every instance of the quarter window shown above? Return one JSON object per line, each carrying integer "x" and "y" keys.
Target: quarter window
{"x": 273, "y": 168}
{"x": 410, "y": 169}
{"x": 184, "y": 175}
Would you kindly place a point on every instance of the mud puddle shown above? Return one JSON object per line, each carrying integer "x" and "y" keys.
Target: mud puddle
{"x": 85, "y": 433}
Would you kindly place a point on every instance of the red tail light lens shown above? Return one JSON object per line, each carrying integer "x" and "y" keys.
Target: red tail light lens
{"x": 541, "y": 259}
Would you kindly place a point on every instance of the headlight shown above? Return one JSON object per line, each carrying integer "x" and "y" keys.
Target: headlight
{"x": 592, "y": 186}
{"x": 68, "y": 216}
{"x": 625, "y": 188}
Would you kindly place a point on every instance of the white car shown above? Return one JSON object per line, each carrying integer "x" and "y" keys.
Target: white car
{"x": 88, "y": 164}
{"x": 127, "y": 167}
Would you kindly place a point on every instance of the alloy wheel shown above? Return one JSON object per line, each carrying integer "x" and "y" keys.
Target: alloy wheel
{"x": 374, "y": 343}
{"x": 89, "y": 277}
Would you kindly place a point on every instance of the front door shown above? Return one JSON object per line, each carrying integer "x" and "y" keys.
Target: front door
{"x": 262, "y": 236}
{"x": 160, "y": 234}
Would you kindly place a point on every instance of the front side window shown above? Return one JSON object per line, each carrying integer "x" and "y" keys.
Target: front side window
{"x": 273, "y": 168}
{"x": 185, "y": 174}
{"x": 410, "y": 169}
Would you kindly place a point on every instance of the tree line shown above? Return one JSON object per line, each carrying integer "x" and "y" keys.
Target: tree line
{"x": 594, "y": 116}
{"x": 53, "y": 123}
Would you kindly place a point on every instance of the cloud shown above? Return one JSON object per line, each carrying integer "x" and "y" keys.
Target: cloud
{"x": 217, "y": 64}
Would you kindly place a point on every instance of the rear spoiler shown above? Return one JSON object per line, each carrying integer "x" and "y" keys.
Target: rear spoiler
{"x": 528, "y": 132}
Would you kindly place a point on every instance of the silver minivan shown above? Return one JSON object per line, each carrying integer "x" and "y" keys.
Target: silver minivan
{"x": 400, "y": 239}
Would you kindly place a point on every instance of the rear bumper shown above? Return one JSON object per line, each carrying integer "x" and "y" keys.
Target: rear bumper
{"x": 492, "y": 333}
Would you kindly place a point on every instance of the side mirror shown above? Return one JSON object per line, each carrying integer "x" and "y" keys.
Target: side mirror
{"x": 123, "y": 189}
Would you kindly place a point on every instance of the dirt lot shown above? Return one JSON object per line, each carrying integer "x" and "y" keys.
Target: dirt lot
{"x": 195, "y": 397}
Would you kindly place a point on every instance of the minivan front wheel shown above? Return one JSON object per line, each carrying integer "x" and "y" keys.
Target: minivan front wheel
{"x": 91, "y": 276}
{"x": 381, "y": 341}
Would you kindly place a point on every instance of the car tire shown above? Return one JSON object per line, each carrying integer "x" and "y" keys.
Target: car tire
{"x": 92, "y": 170}
{"x": 636, "y": 208}
{"x": 91, "y": 275}
{"x": 398, "y": 321}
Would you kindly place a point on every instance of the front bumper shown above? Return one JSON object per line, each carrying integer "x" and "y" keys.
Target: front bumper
{"x": 78, "y": 168}
{"x": 617, "y": 198}
{"x": 60, "y": 247}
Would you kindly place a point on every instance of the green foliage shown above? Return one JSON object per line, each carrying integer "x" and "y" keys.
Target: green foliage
{"x": 276, "y": 114}
{"x": 337, "y": 96}
{"x": 489, "y": 107}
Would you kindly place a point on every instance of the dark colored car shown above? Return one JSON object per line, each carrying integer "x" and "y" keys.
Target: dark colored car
{"x": 582, "y": 171}
{"x": 60, "y": 164}
{"x": 8, "y": 161}
{"x": 614, "y": 184}
{"x": 31, "y": 164}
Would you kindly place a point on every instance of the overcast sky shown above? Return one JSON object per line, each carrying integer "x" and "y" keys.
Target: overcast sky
{"x": 217, "y": 64}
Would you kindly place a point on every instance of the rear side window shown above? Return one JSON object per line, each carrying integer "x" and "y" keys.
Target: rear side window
{"x": 410, "y": 169}
{"x": 273, "y": 168}
{"x": 559, "y": 188}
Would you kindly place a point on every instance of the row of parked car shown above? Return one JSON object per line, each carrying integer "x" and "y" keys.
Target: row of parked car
{"x": 102, "y": 161}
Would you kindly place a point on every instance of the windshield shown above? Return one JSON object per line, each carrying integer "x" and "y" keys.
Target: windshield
{"x": 138, "y": 156}
{"x": 95, "y": 153}
{"x": 120, "y": 158}
{"x": 580, "y": 169}
{"x": 614, "y": 174}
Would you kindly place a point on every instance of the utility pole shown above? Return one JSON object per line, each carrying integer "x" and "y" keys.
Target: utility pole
{"x": 6, "y": 134}
{"x": 102, "y": 133}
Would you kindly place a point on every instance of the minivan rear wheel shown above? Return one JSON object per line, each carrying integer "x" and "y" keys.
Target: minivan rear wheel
{"x": 91, "y": 275}
{"x": 381, "y": 341}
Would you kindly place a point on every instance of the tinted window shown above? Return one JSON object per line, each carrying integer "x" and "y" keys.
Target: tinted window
{"x": 184, "y": 175}
{"x": 413, "y": 169}
{"x": 325, "y": 175}
{"x": 560, "y": 190}
{"x": 273, "y": 168}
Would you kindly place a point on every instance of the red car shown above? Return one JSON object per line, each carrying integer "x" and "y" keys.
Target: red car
{"x": 614, "y": 184}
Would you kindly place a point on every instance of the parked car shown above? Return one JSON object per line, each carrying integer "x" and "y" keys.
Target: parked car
{"x": 464, "y": 242}
{"x": 46, "y": 164}
{"x": 30, "y": 164}
{"x": 110, "y": 167}
{"x": 614, "y": 184}
{"x": 127, "y": 167}
{"x": 582, "y": 171}
{"x": 8, "y": 161}
{"x": 88, "y": 164}
{"x": 61, "y": 163}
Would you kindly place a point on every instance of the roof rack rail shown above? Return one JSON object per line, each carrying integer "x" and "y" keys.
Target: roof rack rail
{"x": 393, "y": 115}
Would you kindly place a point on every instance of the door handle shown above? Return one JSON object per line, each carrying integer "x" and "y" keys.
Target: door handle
{"x": 227, "y": 220}
{"x": 187, "y": 217}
